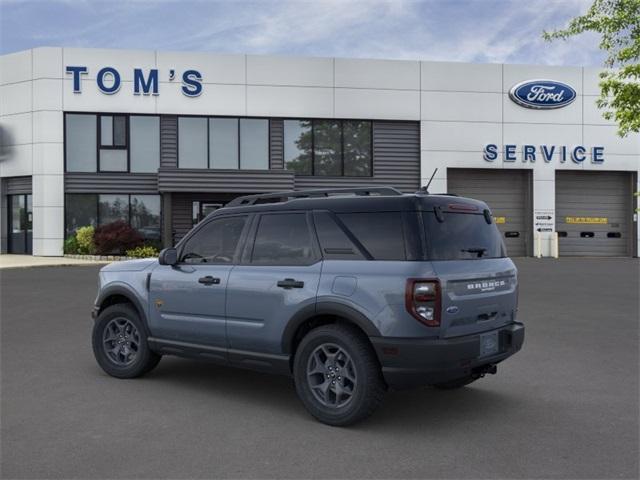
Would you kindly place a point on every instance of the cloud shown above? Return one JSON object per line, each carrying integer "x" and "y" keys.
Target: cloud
{"x": 456, "y": 30}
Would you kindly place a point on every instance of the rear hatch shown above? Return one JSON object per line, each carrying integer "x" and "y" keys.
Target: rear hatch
{"x": 478, "y": 282}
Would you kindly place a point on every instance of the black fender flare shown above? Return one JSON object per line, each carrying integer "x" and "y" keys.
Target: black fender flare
{"x": 123, "y": 291}
{"x": 350, "y": 314}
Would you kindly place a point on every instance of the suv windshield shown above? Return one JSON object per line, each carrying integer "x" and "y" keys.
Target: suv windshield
{"x": 462, "y": 236}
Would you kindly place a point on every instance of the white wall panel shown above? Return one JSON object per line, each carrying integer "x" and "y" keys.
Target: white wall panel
{"x": 470, "y": 107}
{"x": 213, "y": 68}
{"x": 48, "y": 222}
{"x": 592, "y": 114}
{"x": 571, "y": 114}
{"x": 614, "y": 162}
{"x": 48, "y": 247}
{"x": 18, "y": 161}
{"x": 289, "y": 101}
{"x": 15, "y": 98}
{"x": 17, "y": 129}
{"x": 48, "y": 126}
{"x": 93, "y": 100}
{"x": 48, "y": 191}
{"x": 15, "y": 67}
{"x": 380, "y": 74}
{"x": 459, "y": 136}
{"x": 461, "y": 77}
{"x": 96, "y": 58}
{"x": 48, "y": 159}
{"x": 298, "y": 71}
{"x": 214, "y": 100}
{"x": 514, "y": 74}
{"x": 546, "y": 134}
{"x": 47, "y": 62}
{"x": 47, "y": 94}
{"x": 607, "y": 137}
{"x": 379, "y": 104}
{"x": 591, "y": 76}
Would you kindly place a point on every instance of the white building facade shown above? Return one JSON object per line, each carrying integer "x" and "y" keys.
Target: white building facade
{"x": 159, "y": 139}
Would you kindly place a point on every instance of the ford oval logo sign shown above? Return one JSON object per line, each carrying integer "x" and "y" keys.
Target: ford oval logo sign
{"x": 542, "y": 94}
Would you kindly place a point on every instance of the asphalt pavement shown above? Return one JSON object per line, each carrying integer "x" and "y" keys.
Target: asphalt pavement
{"x": 566, "y": 406}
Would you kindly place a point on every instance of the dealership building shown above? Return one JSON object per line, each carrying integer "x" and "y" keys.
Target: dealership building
{"x": 161, "y": 139}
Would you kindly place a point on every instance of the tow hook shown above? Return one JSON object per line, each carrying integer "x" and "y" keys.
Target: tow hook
{"x": 479, "y": 372}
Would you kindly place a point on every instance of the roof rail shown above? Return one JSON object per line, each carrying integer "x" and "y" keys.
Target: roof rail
{"x": 278, "y": 197}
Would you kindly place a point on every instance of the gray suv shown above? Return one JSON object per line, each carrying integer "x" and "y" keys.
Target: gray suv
{"x": 350, "y": 292}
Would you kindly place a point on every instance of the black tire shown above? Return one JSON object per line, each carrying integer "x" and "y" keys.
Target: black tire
{"x": 454, "y": 384}
{"x": 135, "y": 361}
{"x": 367, "y": 389}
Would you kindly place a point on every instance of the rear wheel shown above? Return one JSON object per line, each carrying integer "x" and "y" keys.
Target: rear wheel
{"x": 458, "y": 383}
{"x": 337, "y": 375}
{"x": 120, "y": 343}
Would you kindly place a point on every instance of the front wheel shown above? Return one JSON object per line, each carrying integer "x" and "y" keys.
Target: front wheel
{"x": 120, "y": 343}
{"x": 337, "y": 375}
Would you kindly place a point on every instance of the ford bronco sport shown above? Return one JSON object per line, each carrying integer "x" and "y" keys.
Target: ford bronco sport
{"x": 350, "y": 292}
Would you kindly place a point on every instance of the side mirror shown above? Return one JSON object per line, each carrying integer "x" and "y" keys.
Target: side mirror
{"x": 168, "y": 256}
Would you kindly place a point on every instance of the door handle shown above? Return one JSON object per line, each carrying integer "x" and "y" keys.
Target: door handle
{"x": 209, "y": 280}
{"x": 290, "y": 283}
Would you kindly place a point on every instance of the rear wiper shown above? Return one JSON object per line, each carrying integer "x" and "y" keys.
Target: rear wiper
{"x": 480, "y": 251}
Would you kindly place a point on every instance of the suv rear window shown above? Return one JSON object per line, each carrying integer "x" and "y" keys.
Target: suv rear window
{"x": 462, "y": 236}
{"x": 379, "y": 232}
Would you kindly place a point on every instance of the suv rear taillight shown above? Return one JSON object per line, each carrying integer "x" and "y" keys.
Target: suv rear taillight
{"x": 422, "y": 299}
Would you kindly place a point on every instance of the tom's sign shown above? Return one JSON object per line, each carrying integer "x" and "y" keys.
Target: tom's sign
{"x": 542, "y": 94}
{"x": 109, "y": 80}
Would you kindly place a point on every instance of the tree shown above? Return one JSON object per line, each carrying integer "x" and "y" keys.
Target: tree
{"x": 618, "y": 23}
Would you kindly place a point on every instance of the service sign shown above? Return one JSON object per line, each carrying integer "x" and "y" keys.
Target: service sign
{"x": 542, "y": 94}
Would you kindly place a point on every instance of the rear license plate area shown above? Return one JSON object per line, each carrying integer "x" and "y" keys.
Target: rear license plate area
{"x": 489, "y": 344}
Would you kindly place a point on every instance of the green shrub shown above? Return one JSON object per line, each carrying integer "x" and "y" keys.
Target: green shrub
{"x": 71, "y": 245}
{"x": 145, "y": 251}
{"x": 84, "y": 236}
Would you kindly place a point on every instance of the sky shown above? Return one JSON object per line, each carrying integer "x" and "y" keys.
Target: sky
{"x": 482, "y": 31}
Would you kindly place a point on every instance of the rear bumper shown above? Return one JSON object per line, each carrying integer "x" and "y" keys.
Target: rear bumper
{"x": 411, "y": 362}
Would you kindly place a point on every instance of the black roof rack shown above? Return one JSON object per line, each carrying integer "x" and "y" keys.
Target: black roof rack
{"x": 277, "y": 197}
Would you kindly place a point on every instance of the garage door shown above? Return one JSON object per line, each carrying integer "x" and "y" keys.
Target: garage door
{"x": 593, "y": 213}
{"x": 508, "y": 194}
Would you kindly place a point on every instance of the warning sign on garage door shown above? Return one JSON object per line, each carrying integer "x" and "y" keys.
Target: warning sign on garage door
{"x": 500, "y": 220}
{"x": 544, "y": 220}
{"x": 587, "y": 220}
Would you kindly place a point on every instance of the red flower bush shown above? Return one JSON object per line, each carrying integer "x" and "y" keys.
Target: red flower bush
{"x": 116, "y": 238}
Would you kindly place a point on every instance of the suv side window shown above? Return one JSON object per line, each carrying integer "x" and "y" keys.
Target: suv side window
{"x": 283, "y": 239}
{"x": 380, "y": 233}
{"x": 334, "y": 242}
{"x": 215, "y": 243}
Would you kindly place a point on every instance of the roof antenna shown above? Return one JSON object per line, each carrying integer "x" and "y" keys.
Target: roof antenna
{"x": 425, "y": 190}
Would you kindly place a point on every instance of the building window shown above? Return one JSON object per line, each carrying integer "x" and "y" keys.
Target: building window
{"x": 112, "y": 208}
{"x": 297, "y": 146}
{"x": 112, "y": 143}
{"x": 144, "y": 148}
{"x": 81, "y": 210}
{"x": 80, "y": 142}
{"x": 254, "y": 144}
{"x": 223, "y": 143}
{"x": 142, "y": 212}
{"x": 145, "y": 216}
{"x": 332, "y": 148}
{"x": 192, "y": 142}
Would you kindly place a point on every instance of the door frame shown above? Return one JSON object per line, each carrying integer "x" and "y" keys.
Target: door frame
{"x": 28, "y": 242}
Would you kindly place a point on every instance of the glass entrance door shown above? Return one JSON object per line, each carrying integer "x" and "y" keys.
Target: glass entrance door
{"x": 20, "y": 224}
